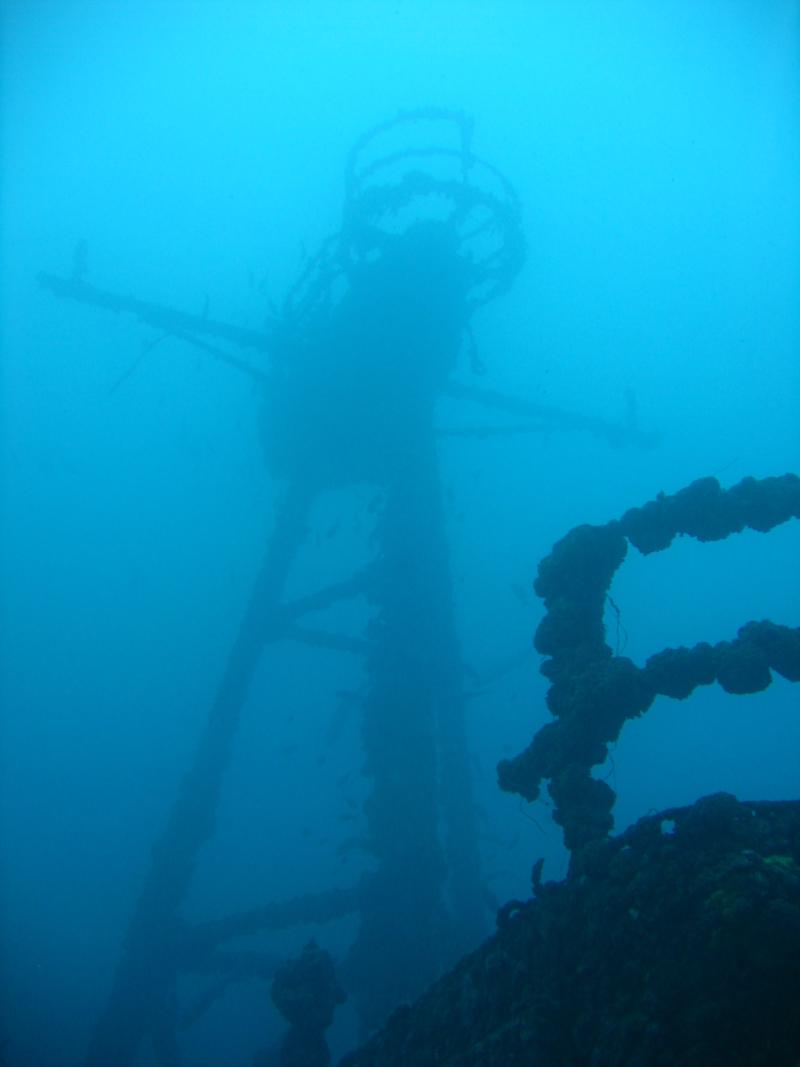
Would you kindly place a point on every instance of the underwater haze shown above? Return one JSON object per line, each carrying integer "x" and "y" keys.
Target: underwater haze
{"x": 193, "y": 155}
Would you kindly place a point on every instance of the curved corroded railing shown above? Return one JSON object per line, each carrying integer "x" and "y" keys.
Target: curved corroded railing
{"x": 593, "y": 691}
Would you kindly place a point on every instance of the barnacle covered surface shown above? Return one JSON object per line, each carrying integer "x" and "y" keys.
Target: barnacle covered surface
{"x": 676, "y": 943}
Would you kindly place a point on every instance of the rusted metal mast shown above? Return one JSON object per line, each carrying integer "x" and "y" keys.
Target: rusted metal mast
{"x": 370, "y": 337}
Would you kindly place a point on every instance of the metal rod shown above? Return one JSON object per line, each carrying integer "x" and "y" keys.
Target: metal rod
{"x": 145, "y": 977}
{"x": 555, "y": 418}
{"x": 165, "y": 318}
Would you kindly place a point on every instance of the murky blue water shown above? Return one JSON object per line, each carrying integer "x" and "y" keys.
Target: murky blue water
{"x": 199, "y": 152}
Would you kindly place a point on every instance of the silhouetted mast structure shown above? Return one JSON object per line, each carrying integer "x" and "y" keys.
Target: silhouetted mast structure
{"x": 369, "y": 338}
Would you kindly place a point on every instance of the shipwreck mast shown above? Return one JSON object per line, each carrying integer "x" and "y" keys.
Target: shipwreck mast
{"x": 370, "y": 338}
{"x": 381, "y": 317}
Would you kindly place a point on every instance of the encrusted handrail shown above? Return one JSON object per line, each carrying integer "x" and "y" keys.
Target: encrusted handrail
{"x": 593, "y": 691}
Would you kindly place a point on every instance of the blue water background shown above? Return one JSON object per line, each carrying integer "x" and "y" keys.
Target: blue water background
{"x": 198, "y": 149}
